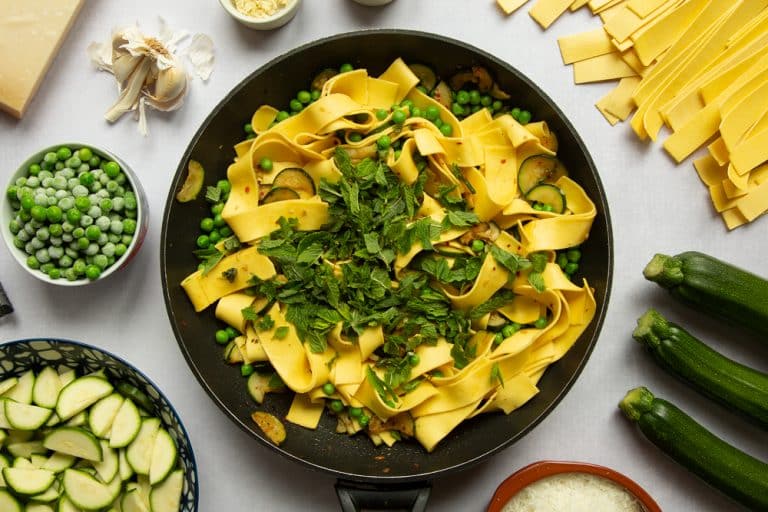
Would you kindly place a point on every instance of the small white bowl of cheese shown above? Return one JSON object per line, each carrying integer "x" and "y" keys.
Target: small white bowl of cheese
{"x": 261, "y": 14}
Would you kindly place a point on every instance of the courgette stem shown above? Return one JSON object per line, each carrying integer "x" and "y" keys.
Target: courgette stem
{"x": 636, "y": 402}
{"x": 665, "y": 270}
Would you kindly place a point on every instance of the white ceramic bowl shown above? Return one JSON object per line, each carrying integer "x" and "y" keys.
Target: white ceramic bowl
{"x": 278, "y": 19}
{"x": 7, "y": 213}
{"x": 373, "y": 2}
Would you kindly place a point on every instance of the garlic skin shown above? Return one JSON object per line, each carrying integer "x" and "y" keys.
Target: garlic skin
{"x": 148, "y": 70}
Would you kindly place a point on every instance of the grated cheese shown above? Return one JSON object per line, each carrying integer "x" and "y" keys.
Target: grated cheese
{"x": 259, "y": 8}
{"x": 573, "y": 492}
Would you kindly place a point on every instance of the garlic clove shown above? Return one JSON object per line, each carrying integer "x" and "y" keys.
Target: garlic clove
{"x": 129, "y": 95}
{"x": 123, "y": 66}
{"x": 170, "y": 83}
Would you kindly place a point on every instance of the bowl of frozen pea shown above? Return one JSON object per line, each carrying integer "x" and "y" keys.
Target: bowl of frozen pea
{"x": 73, "y": 214}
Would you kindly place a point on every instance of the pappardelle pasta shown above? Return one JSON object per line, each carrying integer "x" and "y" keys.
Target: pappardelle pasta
{"x": 400, "y": 274}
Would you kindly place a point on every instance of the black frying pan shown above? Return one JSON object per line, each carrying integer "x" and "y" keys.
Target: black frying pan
{"x": 354, "y": 460}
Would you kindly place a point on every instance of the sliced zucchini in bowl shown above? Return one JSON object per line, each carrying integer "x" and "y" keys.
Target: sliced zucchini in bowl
{"x": 547, "y": 194}
{"x": 296, "y": 179}
{"x": 28, "y": 481}
{"x": 74, "y": 441}
{"x": 24, "y": 416}
{"x": 537, "y": 169}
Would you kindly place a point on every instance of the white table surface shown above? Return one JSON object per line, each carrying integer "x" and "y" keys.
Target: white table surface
{"x": 655, "y": 206}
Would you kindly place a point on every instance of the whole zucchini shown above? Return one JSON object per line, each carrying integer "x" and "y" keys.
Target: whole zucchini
{"x": 737, "y": 474}
{"x": 735, "y": 385}
{"x": 714, "y": 287}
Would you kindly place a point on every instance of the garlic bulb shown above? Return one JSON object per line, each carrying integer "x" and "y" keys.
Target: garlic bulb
{"x": 148, "y": 70}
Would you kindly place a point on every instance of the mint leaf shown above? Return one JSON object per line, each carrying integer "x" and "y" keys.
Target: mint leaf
{"x": 249, "y": 314}
{"x": 538, "y": 261}
{"x": 230, "y": 274}
{"x": 213, "y": 194}
{"x": 496, "y": 374}
{"x": 508, "y": 260}
{"x": 500, "y": 299}
{"x": 265, "y": 324}
{"x": 460, "y": 219}
{"x": 372, "y": 243}
{"x": 536, "y": 279}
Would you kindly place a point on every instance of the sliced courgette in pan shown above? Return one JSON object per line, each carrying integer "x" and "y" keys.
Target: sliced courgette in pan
{"x": 193, "y": 183}
{"x": 442, "y": 94}
{"x": 166, "y": 497}
{"x": 538, "y": 169}
{"x": 126, "y": 425}
{"x": 323, "y": 76}
{"x": 280, "y": 194}
{"x": 86, "y": 492}
{"x": 46, "y": 389}
{"x": 547, "y": 194}
{"x": 297, "y": 180}
{"x": 139, "y": 452}
{"x": 163, "y": 457}
{"x": 8, "y": 503}
{"x": 427, "y": 77}
{"x": 80, "y": 394}
{"x": 74, "y": 441}
{"x": 24, "y": 416}
{"x": 28, "y": 481}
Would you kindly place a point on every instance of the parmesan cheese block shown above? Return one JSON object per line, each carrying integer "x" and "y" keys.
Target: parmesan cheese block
{"x": 31, "y": 32}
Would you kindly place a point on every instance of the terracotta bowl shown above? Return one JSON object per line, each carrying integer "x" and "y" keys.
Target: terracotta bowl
{"x": 538, "y": 470}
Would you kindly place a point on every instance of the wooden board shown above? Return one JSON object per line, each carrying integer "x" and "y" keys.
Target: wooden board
{"x": 31, "y": 33}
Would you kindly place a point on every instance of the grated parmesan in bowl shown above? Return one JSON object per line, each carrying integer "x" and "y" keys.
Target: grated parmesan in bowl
{"x": 553, "y": 486}
{"x": 261, "y": 14}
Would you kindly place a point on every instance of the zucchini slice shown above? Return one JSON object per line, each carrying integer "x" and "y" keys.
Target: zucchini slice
{"x": 22, "y": 391}
{"x": 123, "y": 468}
{"x": 4, "y": 463}
{"x": 80, "y": 394}
{"x": 279, "y": 194}
{"x": 67, "y": 376}
{"x": 131, "y": 501}
{"x": 442, "y": 94}
{"x": 28, "y": 481}
{"x": 58, "y": 462}
{"x": 193, "y": 183}
{"x": 427, "y": 77}
{"x": 547, "y": 194}
{"x": 86, "y": 492}
{"x": 109, "y": 465}
{"x": 51, "y": 494}
{"x": 38, "y": 507}
{"x": 25, "y": 417}
{"x": 103, "y": 413}
{"x": 7, "y": 384}
{"x": 27, "y": 449}
{"x": 65, "y": 505}
{"x": 74, "y": 441}
{"x": 297, "y": 180}
{"x": 538, "y": 169}
{"x": 163, "y": 457}
{"x": 46, "y": 389}
{"x": 8, "y": 503}
{"x": 126, "y": 425}
{"x": 139, "y": 452}
{"x": 323, "y": 76}
{"x": 166, "y": 497}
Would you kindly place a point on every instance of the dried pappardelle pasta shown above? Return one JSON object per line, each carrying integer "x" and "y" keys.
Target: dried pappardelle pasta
{"x": 380, "y": 288}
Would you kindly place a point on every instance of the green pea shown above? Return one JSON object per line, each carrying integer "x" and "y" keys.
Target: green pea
{"x": 94, "y": 161}
{"x": 225, "y": 231}
{"x": 101, "y": 261}
{"x": 477, "y": 245}
{"x": 50, "y": 158}
{"x": 295, "y": 105}
{"x": 383, "y": 142}
{"x": 282, "y": 116}
{"x": 416, "y": 112}
{"x": 206, "y": 224}
{"x": 525, "y": 117}
{"x": 34, "y": 169}
{"x": 363, "y": 420}
{"x": 217, "y": 208}
{"x": 573, "y": 255}
{"x": 27, "y": 201}
{"x": 432, "y": 113}
{"x": 203, "y": 242}
{"x": 329, "y": 388}
{"x": 486, "y": 100}
{"x": 120, "y": 249}
{"x": 336, "y": 405}
{"x": 63, "y": 153}
{"x": 540, "y": 322}
{"x": 266, "y": 164}
{"x": 315, "y": 94}
{"x": 92, "y": 232}
{"x": 112, "y": 169}
{"x": 232, "y": 332}
{"x": 355, "y": 137}
{"x": 355, "y": 412}
{"x": 218, "y": 221}
{"x": 129, "y": 226}
{"x": 83, "y": 243}
{"x": 54, "y": 273}
{"x": 510, "y": 329}
{"x": 82, "y": 203}
{"x": 92, "y": 272}
{"x": 86, "y": 179}
{"x": 399, "y": 117}
{"x": 222, "y": 337}
{"x": 38, "y": 213}
{"x": 457, "y": 109}
{"x": 248, "y": 128}
{"x": 462, "y": 97}
{"x": 446, "y": 129}
{"x": 571, "y": 268}
{"x": 562, "y": 260}
{"x": 381, "y": 114}
{"x": 497, "y": 105}
{"x": 304, "y": 97}
{"x": 33, "y": 263}
{"x": 214, "y": 237}
{"x": 74, "y": 215}
{"x": 346, "y": 67}
{"x": 12, "y": 193}
{"x": 474, "y": 97}
{"x": 85, "y": 154}
{"x": 54, "y": 214}
{"x": 414, "y": 359}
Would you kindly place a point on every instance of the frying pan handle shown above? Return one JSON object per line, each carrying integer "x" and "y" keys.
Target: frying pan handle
{"x": 355, "y": 497}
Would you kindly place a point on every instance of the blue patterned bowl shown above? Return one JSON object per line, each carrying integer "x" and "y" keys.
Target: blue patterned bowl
{"x": 16, "y": 357}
